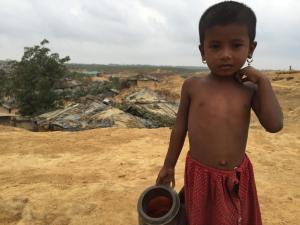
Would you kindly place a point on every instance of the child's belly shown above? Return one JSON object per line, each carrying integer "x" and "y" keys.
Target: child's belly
{"x": 218, "y": 139}
{"x": 215, "y": 160}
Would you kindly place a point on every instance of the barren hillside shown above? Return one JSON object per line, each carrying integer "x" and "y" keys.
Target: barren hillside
{"x": 95, "y": 177}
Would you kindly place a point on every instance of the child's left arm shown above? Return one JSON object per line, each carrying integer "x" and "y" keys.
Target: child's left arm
{"x": 264, "y": 103}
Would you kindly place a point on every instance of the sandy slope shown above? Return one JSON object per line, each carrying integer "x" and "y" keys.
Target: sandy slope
{"x": 96, "y": 176}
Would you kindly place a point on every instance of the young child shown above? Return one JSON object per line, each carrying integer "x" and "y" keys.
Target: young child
{"x": 215, "y": 110}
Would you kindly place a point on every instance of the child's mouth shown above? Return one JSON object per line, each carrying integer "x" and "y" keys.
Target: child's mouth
{"x": 226, "y": 66}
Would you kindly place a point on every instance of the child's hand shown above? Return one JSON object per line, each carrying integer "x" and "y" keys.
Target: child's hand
{"x": 166, "y": 177}
{"x": 249, "y": 74}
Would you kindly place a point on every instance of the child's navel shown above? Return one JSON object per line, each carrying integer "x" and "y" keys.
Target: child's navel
{"x": 201, "y": 104}
{"x": 223, "y": 163}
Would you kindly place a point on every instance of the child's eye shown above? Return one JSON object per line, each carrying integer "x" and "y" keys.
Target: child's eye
{"x": 237, "y": 45}
{"x": 214, "y": 46}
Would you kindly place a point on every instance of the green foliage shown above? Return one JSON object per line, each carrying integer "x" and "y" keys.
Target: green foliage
{"x": 35, "y": 78}
{"x": 2, "y": 82}
{"x": 6, "y": 80}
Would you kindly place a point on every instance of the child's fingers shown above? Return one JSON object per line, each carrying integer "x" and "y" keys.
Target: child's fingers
{"x": 165, "y": 177}
{"x": 162, "y": 180}
{"x": 165, "y": 181}
{"x": 173, "y": 183}
{"x": 159, "y": 180}
{"x": 245, "y": 78}
{"x": 239, "y": 76}
{"x": 242, "y": 77}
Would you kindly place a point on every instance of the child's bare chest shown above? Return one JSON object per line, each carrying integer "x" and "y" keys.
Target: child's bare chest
{"x": 221, "y": 102}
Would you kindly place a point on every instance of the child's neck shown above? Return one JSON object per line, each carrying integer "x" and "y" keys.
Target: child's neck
{"x": 222, "y": 78}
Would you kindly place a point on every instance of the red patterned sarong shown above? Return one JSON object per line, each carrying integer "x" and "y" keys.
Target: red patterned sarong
{"x": 220, "y": 197}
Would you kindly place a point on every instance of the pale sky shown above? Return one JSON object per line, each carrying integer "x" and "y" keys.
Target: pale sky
{"x": 157, "y": 32}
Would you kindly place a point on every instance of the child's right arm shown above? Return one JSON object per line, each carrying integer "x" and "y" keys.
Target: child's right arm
{"x": 178, "y": 134}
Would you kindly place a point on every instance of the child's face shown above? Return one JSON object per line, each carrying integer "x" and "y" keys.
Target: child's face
{"x": 226, "y": 48}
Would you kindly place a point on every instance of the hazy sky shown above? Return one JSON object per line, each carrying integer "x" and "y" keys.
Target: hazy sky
{"x": 160, "y": 32}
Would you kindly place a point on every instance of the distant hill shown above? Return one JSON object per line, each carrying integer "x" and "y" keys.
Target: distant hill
{"x": 116, "y": 68}
{"x": 134, "y": 68}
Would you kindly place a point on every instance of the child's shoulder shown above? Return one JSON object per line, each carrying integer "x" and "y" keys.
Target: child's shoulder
{"x": 190, "y": 84}
{"x": 194, "y": 80}
{"x": 250, "y": 87}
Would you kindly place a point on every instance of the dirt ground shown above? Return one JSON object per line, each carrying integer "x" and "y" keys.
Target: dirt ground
{"x": 95, "y": 177}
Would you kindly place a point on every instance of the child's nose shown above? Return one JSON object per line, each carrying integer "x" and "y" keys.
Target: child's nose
{"x": 226, "y": 53}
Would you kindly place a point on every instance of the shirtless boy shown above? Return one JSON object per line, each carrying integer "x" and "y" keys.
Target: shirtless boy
{"x": 215, "y": 111}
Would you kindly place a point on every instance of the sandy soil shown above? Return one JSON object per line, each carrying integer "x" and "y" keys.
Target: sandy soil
{"x": 96, "y": 176}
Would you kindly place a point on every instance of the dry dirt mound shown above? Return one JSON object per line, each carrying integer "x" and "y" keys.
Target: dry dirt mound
{"x": 7, "y": 129}
{"x": 96, "y": 176}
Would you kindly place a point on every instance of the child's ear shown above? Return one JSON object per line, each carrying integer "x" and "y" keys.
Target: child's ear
{"x": 252, "y": 47}
{"x": 201, "y": 48}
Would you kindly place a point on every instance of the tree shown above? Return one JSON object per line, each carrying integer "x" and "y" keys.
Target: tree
{"x": 6, "y": 83}
{"x": 2, "y": 82}
{"x": 35, "y": 78}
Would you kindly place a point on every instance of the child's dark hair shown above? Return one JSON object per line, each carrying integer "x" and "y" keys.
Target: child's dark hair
{"x": 225, "y": 13}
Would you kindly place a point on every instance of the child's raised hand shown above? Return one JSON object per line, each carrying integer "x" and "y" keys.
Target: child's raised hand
{"x": 166, "y": 176}
{"x": 249, "y": 73}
